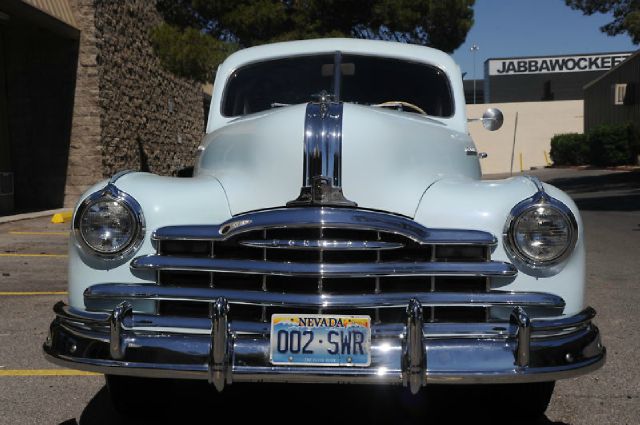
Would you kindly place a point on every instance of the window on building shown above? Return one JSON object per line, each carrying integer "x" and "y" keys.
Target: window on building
{"x": 619, "y": 94}
{"x": 547, "y": 93}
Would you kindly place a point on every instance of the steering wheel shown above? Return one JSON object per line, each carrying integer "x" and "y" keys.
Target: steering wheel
{"x": 396, "y": 103}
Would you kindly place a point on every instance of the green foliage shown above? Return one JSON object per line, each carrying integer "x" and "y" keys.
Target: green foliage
{"x": 626, "y": 15}
{"x": 613, "y": 145}
{"x": 442, "y": 24}
{"x": 606, "y": 145}
{"x": 569, "y": 149}
{"x": 189, "y": 52}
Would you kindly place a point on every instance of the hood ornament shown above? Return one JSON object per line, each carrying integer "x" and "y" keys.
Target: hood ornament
{"x": 322, "y": 173}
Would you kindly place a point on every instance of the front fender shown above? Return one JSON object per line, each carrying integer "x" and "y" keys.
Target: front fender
{"x": 485, "y": 205}
{"x": 165, "y": 201}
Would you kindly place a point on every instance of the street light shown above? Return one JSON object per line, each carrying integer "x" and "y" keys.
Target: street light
{"x": 473, "y": 50}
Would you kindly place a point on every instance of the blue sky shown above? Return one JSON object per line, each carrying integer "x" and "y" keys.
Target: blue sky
{"x": 505, "y": 28}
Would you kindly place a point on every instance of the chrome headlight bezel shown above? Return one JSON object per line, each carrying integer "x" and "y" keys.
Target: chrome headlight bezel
{"x": 111, "y": 193}
{"x": 517, "y": 255}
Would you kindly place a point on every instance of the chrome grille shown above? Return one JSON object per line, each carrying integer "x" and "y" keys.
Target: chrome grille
{"x": 321, "y": 260}
{"x": 344, "y": 286}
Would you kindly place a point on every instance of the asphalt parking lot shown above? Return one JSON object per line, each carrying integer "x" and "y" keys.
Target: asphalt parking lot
{"x": 33, "y": 391}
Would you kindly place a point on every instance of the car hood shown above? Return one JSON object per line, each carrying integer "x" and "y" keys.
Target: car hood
{"x": 389, "y": 158}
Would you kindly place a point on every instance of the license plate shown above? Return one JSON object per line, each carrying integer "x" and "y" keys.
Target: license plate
{"x": 320, "y": 340}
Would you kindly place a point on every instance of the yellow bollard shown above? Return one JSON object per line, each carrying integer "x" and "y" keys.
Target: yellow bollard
{"x": 62, "y": 217}
{"x": 521, "y": 167}
{"x": 546, "y": 158}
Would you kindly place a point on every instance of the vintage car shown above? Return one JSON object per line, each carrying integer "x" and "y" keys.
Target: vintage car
{"x": 335, "y": 230}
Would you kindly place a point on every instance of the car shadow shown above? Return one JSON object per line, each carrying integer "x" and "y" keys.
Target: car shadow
{"x": 591, "y": 192}
{"x": 629, "y": 201}
{"x": 610, "y": 181}
{"x": 197, "y": 404}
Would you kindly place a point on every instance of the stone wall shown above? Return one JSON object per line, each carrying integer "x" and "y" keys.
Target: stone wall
{"x": 151, "y": 120}
{"x": 84, "y": 166}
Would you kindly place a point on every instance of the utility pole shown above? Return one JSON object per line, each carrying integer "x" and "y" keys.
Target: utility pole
{"x": 473, "y": 50}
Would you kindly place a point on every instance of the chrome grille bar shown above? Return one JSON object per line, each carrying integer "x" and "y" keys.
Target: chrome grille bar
{"x": 325, "y": 270}
{"x": 325, "y": 217}
{"x": 325, "y": 301}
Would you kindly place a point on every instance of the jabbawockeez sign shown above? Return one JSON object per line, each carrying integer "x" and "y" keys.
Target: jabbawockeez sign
{"x": 541, "y": 65}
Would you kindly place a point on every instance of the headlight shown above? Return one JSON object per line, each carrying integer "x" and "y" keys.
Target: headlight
{"x": 109, "y": 224}
{"x": 540, "y": 232}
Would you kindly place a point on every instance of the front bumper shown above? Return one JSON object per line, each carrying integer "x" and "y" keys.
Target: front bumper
{"x": 224, "y": 351}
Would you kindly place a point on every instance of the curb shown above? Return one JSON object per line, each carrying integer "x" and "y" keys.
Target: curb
{"x": 27, "y": 216}
{"x": 62, "y": 217}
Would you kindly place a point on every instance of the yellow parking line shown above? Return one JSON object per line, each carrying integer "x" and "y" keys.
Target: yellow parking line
{"x": 45, "y": 372}
{"x": 16, "y": 293}
{"x": 32, "y": 255}
{"x": 40, "y": 233}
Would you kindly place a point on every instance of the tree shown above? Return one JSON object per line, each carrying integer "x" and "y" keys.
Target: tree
{"x": 198, "y": 34}
{"x": 626, "y": 15}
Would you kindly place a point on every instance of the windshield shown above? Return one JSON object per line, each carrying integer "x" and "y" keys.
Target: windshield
{"x": 367, "y": 80}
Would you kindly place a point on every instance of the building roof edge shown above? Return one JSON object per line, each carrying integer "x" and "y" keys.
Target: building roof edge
{"x": 592, "y": 82}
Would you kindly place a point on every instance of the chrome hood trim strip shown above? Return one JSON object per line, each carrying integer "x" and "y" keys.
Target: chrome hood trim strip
{"x": 322, "y": 172}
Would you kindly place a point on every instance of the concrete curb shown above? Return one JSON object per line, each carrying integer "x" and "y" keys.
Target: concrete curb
{"x": 26, "y": 216}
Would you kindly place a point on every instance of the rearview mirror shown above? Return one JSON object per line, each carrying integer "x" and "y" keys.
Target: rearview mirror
{"x": 348, "y": 68}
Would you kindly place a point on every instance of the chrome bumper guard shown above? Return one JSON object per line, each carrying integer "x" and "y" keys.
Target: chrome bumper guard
{"x": 223, "y": 351}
